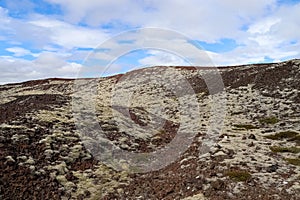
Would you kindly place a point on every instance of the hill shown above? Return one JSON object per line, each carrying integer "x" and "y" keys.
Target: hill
{"x": 154, "y": 133}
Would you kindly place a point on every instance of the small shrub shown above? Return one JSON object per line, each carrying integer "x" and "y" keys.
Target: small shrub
{"x": 245, "y": 126}
{"x": 269, "y": 120}
{"x": 293, "y": 161}
{"x": 238, "y": 175}
{"x": 282, "y": 135}
{"x": 278, "y": 149}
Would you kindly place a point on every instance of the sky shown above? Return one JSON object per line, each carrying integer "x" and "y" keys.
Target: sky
{"x": 92, "y": 38}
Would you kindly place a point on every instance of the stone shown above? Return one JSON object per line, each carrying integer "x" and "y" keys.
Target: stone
{"x": 10, "y": 160}
{"x": 252, "y": 137}
{"x": 272, "y": 168}
{"x": 251, "y": 144}
{"x": 220, "y": 153}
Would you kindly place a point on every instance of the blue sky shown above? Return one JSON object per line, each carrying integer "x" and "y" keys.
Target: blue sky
{"x": 55, "y": 38}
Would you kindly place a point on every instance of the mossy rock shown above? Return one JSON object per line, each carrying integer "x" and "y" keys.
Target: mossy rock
{"x": 279, "y": 149}
{"x": 238, "y": 175}
{"x": 293, "y": 161}
{"x": 282, "y": 135}
{"x": 269, "y": 120}
{"x": 245, "y": 126}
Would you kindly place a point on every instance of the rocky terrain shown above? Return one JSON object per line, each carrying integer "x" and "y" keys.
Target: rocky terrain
{"x": 187, "y": 133}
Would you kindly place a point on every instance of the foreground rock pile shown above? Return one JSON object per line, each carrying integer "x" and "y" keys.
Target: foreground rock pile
{"x": 242, "y": 127}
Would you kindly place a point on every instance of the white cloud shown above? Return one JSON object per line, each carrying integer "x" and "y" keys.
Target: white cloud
{"x": 42, "y": 32}
{"x": 163, "y": 45}
{"x": 163, "y": 58}
{"x": 95, "y": 12}
{"x": 48, "y": 60}
{"x": 204, "y": 20}
{"x": 289, "y": 27}
{"x": 19, "y": 51}
{"x": 70, "y": 36}
{"x": 263, "y": 26}
{"x": 46, "y": 65}
{"x": 252, "y": 53}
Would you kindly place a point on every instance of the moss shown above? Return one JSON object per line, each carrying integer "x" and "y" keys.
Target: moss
{"x": 282, "y": 135}
{"x": 30, "y": 161}
{"x": 238, "y": 175}
{"x": 10, "y": 159}
{"x": 295, "y": 139}
{"x": 269, "y": 120}
{"x": 60, "y": 168}
{"x": 285, "y": 149}
{"x": 61, "y": 179}
{"x": 293, "y": 161}
{"x": 245, "y": 126}
{"x": 107, "y": 181}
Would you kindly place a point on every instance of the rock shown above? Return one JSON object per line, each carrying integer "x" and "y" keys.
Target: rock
{"x": 223, "y": 136}
{"x": 48, "y": 153}
{"x": 30, "y": 161}
{"x": 2, "y": 139}
{"x": 206, "y": 155}
{"x": 218, "y": 185}
{"x": 251, "y": 144}
{"x": 196, "y": 197}
{"x": 22, "y": 158}
{"x": 32, "y": 168}
{"x": 10, "y": 160}
{"x": 252, "y": 137}
{"x": 272, "y": 168}
{"x": 220, "y": 153}
{"x": 230, "y": 152}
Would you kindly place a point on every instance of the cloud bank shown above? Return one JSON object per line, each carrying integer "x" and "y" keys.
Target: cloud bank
{"x": 52, "y": 38}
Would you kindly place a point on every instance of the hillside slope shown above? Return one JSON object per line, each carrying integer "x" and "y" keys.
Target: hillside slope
{"x": 154, "y": 133}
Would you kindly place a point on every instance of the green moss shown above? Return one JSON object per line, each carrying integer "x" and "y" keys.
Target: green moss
{"x": 285, "y": 149}
{"x": 245, "y": 126}
{"x": 293, "y": 161}
{"x": 269, "y": 120}
{"x": 238, "y": 175}
{"x": 282, "y": 135}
